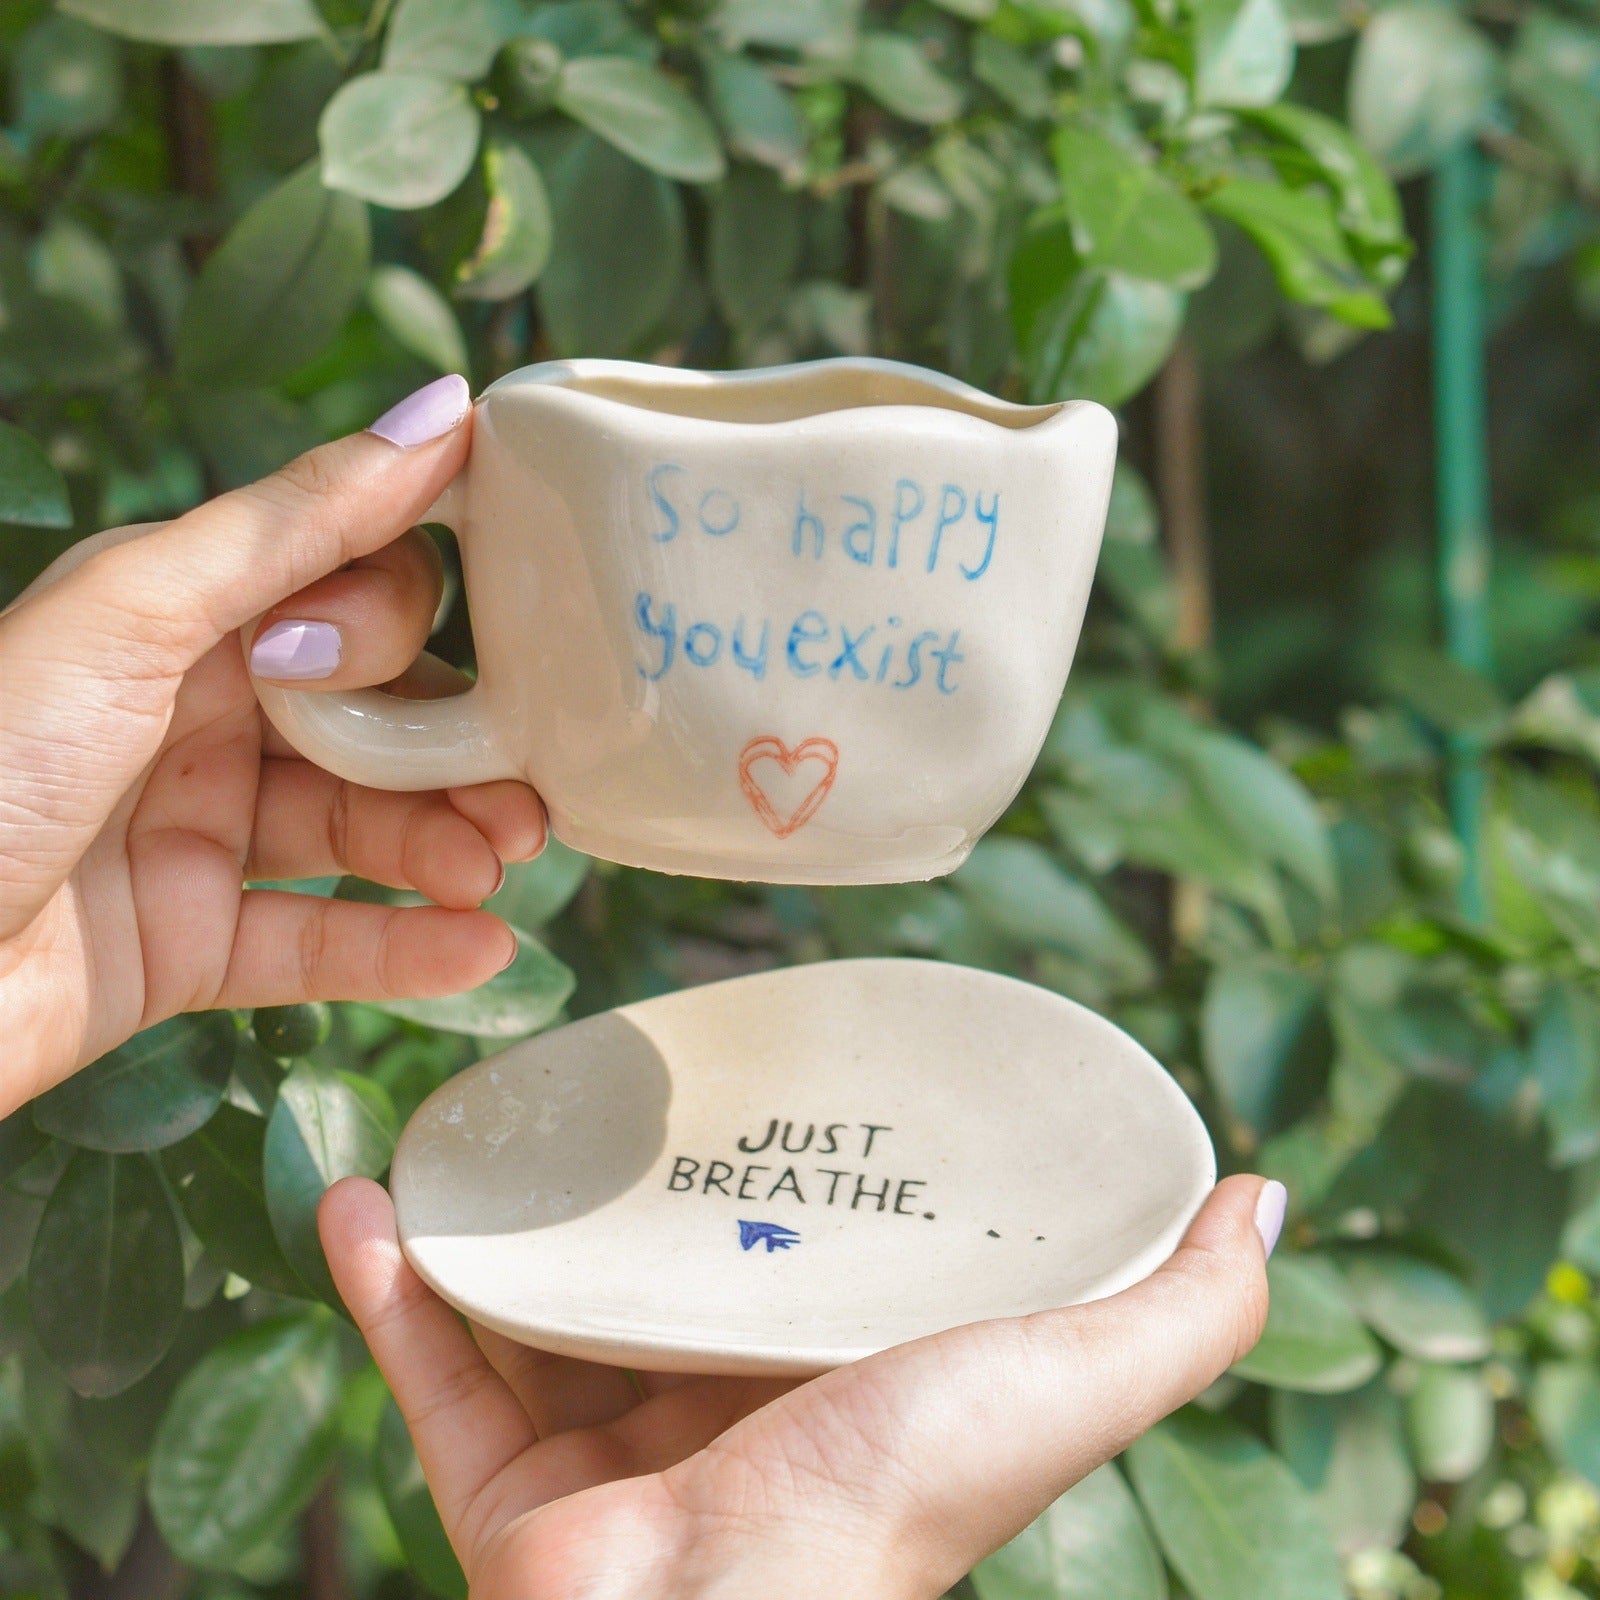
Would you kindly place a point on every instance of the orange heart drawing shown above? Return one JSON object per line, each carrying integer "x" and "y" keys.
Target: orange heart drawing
{"x": 767, "y": 747}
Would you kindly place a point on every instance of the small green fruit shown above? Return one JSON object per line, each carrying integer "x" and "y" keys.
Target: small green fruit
{"x": 286, "y": 1031}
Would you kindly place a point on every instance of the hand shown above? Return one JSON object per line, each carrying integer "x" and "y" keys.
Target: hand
{"x": 140, "y": 785}
{"x": 885, "y": 1480}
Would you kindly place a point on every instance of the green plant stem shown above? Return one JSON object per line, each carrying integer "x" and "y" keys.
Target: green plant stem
{"x": 1462, "y": 473}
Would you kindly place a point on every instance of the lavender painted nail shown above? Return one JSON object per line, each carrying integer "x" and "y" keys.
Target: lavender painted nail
{"x": 433, "y": 410}
{"x": 1271, "y": 1204}
{"x": 296, "y": 651}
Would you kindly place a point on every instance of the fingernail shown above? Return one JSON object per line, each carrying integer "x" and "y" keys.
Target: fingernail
{"x": 499, "y": 882}
{"x": 296, "y": 650}
{"x": 516, "y": 950}
{"x": 1271, "y": 1204}
{"x": 433, "y": 410}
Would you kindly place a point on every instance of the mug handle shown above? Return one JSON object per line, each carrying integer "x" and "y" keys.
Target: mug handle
{"x": 384, "y": 741}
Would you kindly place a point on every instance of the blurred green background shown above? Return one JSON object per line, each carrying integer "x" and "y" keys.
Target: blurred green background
{"x": 1317, "y": 820}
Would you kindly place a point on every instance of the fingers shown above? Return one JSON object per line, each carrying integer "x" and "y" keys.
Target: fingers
{"x": 360, "y": 626}
{"x": 467, "y": 1426}
{"x": 311, "y": 824}
{"x": 93, "y": 658}
{"x": 450, "y": 847}
{"x": 508, "y": 814}
{"x": 558, "y": 1393}
{"x": 953, "y": 1444}
{"x": 288, "y": 948}
{"x": 180, "y": 589}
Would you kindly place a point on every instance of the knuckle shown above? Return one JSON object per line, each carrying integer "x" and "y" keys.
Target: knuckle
{"x": 312, "y": 949}
{"x": 385, "y": 958}
{"x": 338, "y": 825}
{"x": 310, "y": 476}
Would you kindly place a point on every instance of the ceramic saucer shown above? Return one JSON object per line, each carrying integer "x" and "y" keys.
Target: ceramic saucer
{"x": 784, "y": 1172}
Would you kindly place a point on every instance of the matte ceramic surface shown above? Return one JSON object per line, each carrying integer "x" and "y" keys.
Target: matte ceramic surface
{"x": 784, "y": 1172}
{"x": 807, "y": 624}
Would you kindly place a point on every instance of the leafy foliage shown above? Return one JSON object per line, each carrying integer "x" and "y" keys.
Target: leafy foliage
{"x": 231, "y": 227}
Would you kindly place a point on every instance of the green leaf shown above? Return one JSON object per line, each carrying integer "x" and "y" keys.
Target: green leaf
{"x": 1563, "y": 713}
{"x": 815, "y": 27}
{"x": 757, "y": 114}
{"x": 1566, "y": 1407}
{"x": 1126, "y": 217}
{"x": 201, "y": 21}
{"x": 644, "y": 114}
{"x": 896, "y": 72}
{"x": 1365, "y": 201}
{"x": 217, "y": 1173}
{"x": 450, "y": 38}
{"x": 279, "y": 287}
{"x": 148, "y": 1093}
{"x": 620, "y": 250}
{"x": 536, "y": 891}
{"x": 1243, "y": 52}
{"x": 19, "y": 1221}
{"x": 72, "y": 262}
{"x": 755, "y": 246}
{"x": 1450, "y": 1420}
{"x": 1566, "y": 1065}
{"x": 246, "y": 1439}
{"x": 1252, "y": 1018}
{"x": 105, "y": 1278}
{"x": 1555, "y": 72}
{"x": 411, "y": 1510}
{"x": 1423, "y": 79}
{"x": 1092, "y": 1544}
{"x": 1419, "y": 1308}
{"x": 1349, "y": 1450}
{"x": 527, "y": 996}
{"x": 325, "y": 1126}
{"x": 1265, "y": 803}
{"x": 1313, "y": 1340}
{"x": 1017, "y": 887}
{"x": 1234, "y": 1521}
{"x": 31, "y": 490}
{"x": 418, "y": 317}
{"x": 399, "y": 139}
{"x": 1298, "y": 232}
{"x": 94, "y": 1501}
{"x": 517, "y": 234}
{"x": 1085, "y": 334}
{"x": 66, "y": 79}
{"x": 591, "y": 28}
{"x": 1495, "y": 1199}
{"x": 1451, "y": 696}
{"x": 20, "y": 1142}
{"x": 1016, "y": 77}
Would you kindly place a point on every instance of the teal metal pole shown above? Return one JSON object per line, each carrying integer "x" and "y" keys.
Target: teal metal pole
{"x": 1461, "y": 453}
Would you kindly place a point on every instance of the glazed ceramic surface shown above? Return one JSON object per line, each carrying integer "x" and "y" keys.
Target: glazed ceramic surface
{"x": 807, "y": 624}
{"x": 785, "y": 1172}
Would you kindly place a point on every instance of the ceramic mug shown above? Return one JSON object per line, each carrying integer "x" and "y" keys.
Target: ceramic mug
{"x": 806, "y": 624}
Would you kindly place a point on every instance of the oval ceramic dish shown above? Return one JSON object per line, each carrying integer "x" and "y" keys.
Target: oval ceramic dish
{"x": 785, "y": 1172}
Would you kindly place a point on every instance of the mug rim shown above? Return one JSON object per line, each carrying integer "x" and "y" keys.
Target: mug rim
{"x": 972, "y": 405}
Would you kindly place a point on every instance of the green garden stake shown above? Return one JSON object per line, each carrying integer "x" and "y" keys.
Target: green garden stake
{"x": 1462, "y": 473}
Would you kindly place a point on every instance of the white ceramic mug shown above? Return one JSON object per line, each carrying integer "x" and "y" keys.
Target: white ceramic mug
{"x": 807, "y": 624}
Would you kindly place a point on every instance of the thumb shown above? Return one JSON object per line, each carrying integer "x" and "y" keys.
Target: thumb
{"x": 953, "y": 1444}
{"x": 92, "y": 660}
{"x": 182, "y": 587}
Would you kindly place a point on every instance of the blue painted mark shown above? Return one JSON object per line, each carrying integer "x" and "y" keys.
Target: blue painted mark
{"x": 770, "y": 1234}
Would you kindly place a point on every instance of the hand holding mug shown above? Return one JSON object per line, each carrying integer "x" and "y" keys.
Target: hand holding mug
{"x": 802, "y": 624}
{"x": 141, "y": 788}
